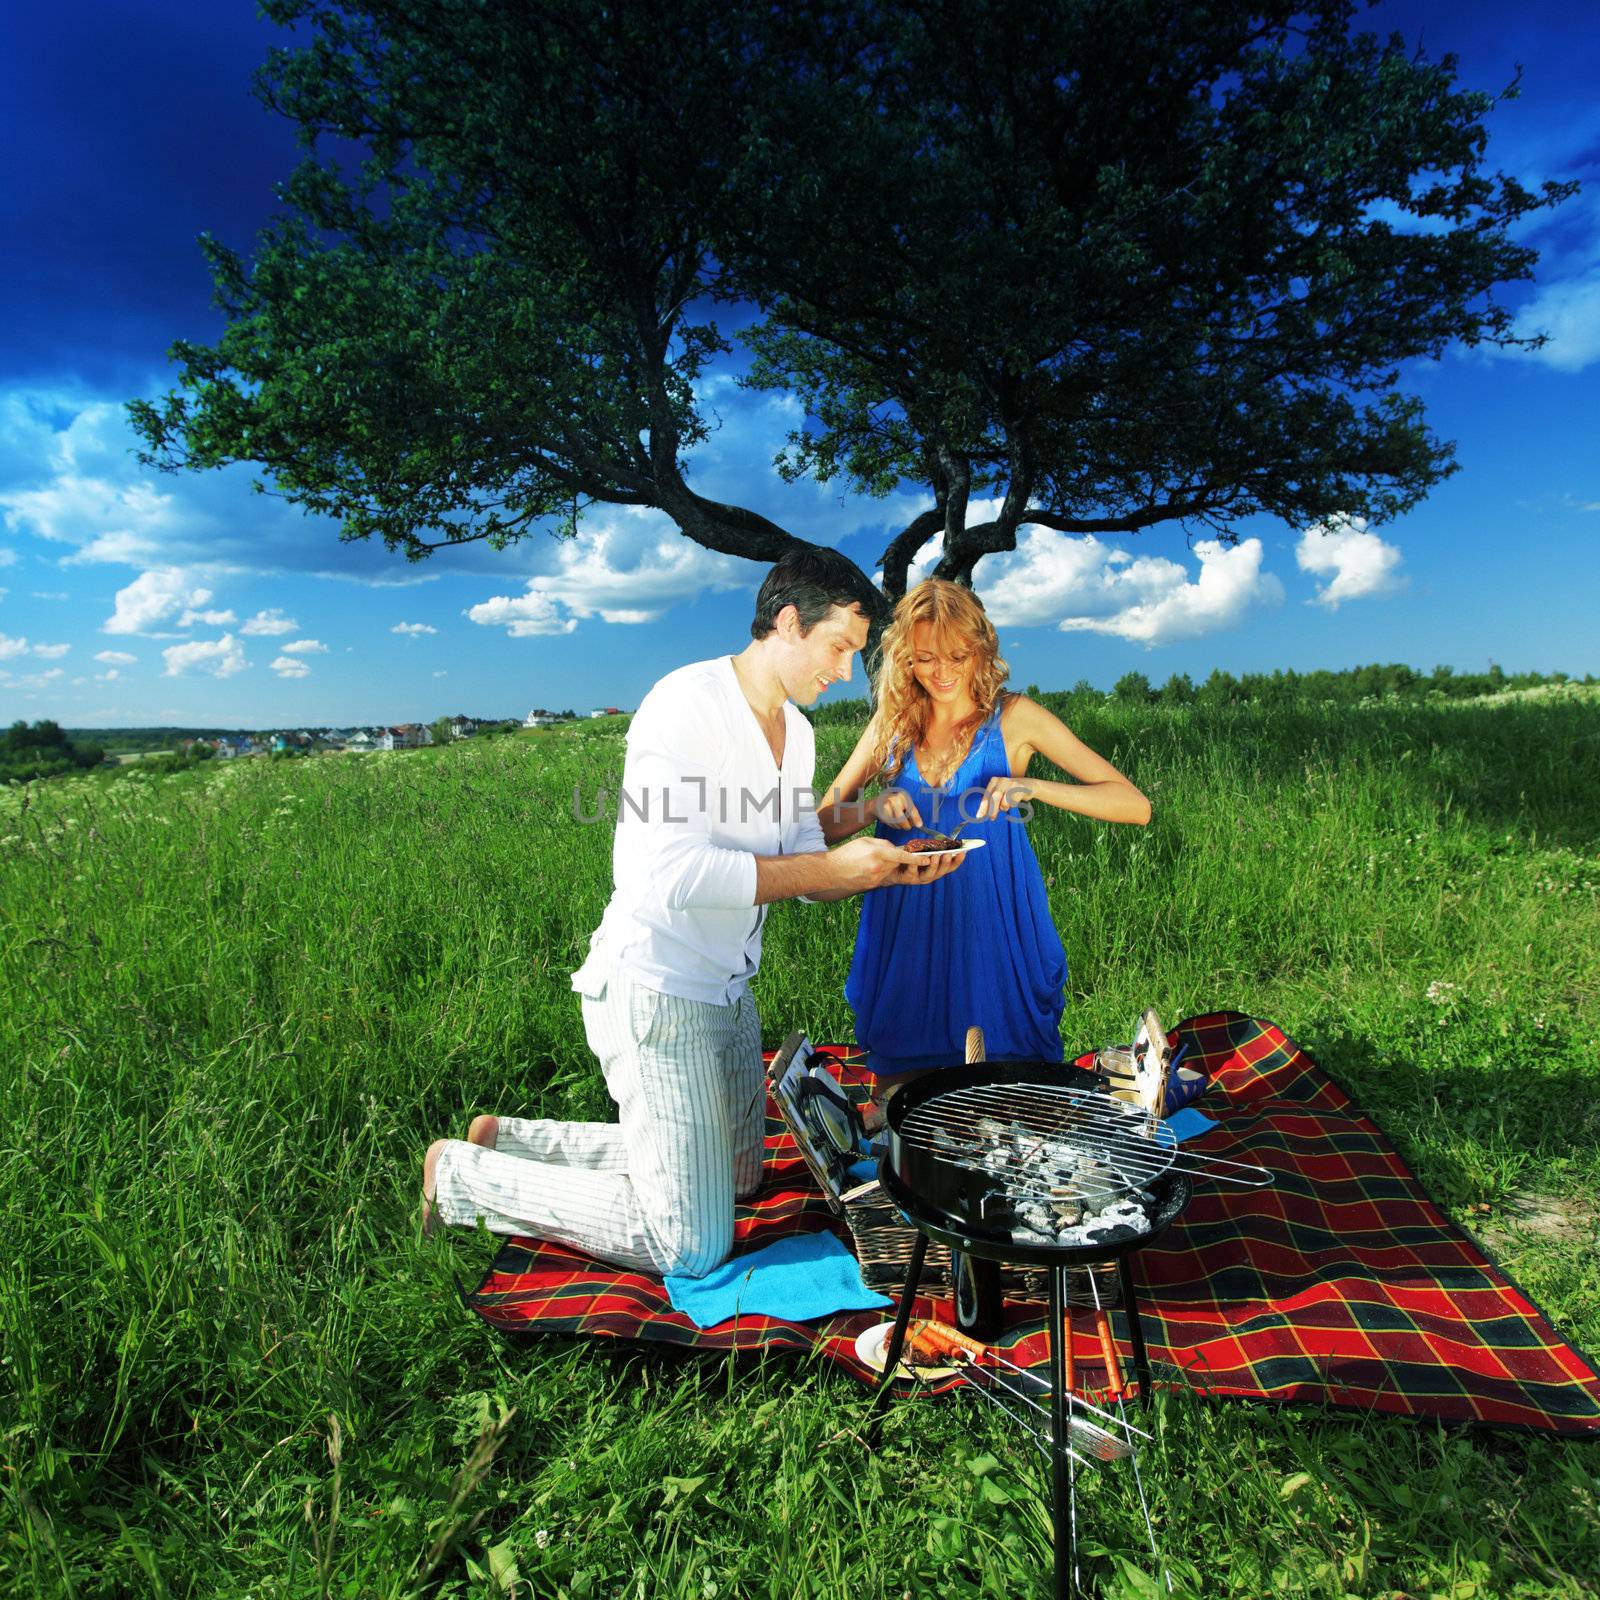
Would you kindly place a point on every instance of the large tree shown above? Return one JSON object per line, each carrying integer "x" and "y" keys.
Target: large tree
{"x": 1107, "y": 263}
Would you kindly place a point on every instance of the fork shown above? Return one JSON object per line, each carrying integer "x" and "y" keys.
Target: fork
{"x": 952, "y": 833}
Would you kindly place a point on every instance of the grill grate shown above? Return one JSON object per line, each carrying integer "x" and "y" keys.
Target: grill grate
{"x": 1042, "y": 1141}
{"x": 1056, "y": 1146}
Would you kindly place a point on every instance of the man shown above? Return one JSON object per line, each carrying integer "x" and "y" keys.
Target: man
{"x": 716, "y": 821}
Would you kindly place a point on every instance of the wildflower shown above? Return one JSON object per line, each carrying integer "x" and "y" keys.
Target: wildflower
{"x": 542, "y": 1538}
{"x": 1441, "y": 993}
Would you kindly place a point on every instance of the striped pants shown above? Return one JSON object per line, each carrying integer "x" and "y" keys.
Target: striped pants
{"x": 655, "y": 1189}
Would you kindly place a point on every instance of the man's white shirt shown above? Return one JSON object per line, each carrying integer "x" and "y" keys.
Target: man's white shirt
{"x": 701, "y": 799}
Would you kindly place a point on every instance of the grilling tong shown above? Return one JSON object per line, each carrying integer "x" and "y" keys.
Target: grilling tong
{"x": 931, "y": 1343}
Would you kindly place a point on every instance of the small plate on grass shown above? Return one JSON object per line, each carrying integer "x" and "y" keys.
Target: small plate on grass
{"x": 873, "y": 1344}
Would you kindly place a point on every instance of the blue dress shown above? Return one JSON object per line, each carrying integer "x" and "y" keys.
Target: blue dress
{"x": 978, "y": 946}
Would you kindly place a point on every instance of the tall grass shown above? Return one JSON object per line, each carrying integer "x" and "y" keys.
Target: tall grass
{"x": 236, "y": 1003}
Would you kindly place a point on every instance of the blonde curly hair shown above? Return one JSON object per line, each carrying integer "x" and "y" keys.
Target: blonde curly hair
{"x": 903, "y": 706}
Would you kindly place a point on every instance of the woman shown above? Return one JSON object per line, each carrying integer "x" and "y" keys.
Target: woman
{"x": 952, "y": 747}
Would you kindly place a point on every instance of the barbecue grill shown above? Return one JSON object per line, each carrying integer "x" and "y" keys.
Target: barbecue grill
{"x": 1037, "y": 1163}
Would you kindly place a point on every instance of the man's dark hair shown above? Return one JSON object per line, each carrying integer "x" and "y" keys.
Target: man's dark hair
{"x": 813, "y": 580}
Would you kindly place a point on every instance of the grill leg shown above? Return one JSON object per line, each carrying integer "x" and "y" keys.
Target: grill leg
{"x": 1130, "y": 1307}
{"x": 897, "y": 1339}
{"x": 1063, "y": 1507}
{"x": 975, "y": 1295}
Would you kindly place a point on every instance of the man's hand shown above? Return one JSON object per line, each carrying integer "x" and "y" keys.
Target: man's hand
{"x": 865, "y": 864}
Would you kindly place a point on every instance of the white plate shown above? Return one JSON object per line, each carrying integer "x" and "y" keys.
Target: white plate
{"x": 873, "y": 1343}
{"x": 962, "y": 845}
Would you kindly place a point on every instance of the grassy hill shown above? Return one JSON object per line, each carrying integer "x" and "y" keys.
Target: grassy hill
{"x": 237, "y": 1002}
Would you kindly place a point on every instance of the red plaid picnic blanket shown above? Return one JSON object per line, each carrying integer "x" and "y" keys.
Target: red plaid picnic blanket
{"x": 1340, "y": 1284}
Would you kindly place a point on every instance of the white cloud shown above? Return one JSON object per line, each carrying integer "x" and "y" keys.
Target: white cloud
{"x": 1049, "y": 576}
{"x": 50, "y": 594}
{"x": 305, "y": 647}
{"x": 525, "y": 616}
{"x": 220, "y": 657}
{"x": 118, "y": 658}
{"x": 207, "y": 619}
{"x": 291, "y": 667}
{"x": 1080, "y": 584}
{"x": 1359, "y": 564}
{"x": 371, "y": 580}
{"x": 69, "y": 474}
{"x": 11, "y": 648}
{"x": 269, "y": 624}
{"x": 152, "y": 598}
{"x": 441, "y": 674}
{"x": 1155, "y": 602}
{"x": 627, "y": 566}
{"x": 1569, "y": 312}
{"x": 414, "y": 629}
{"x": 8, "y": 556}
{"x": 95, "y": 497}
{"x": 108, "y": 676}
{"x": 35, "y": 680}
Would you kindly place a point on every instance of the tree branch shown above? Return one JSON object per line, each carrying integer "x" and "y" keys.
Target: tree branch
{"x": 903, "y": 548}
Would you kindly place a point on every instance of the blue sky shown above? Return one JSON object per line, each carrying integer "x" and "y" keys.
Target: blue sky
{"x": 131, "y": 597}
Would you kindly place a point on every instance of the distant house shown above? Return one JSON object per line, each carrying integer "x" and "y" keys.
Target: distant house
{"x": 539, "y": 719}
{"x": 361, "y": 741}
{"x": 607, "y": 711}
{"x": 404, "y": 736}
{"x": 462, "y": 727}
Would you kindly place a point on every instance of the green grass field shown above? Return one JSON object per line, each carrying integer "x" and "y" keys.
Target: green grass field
{"x": 236, "y": 1003}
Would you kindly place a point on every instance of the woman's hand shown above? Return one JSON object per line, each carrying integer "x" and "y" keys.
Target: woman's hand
{"x": 1005, "y": 794}
{"x": 894, "y": 808}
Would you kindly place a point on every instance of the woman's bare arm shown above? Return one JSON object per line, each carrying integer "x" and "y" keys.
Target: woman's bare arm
{"x": 1098, "y": 790}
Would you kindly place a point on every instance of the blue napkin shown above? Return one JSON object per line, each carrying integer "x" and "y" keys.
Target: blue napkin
{"x": 1189, "y": 1123}
{"x": 800, "y": 1278}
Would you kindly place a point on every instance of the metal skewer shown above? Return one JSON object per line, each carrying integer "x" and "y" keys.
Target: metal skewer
{"x": 943, "y": 1350}
{"x": 1070, "y": 1379}
{"x": 1114, "y": 1380}
{"x": 1098, "y": 1442}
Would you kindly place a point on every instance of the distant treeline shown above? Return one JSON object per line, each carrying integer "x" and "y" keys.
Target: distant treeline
{"x": 43, "y": 750}
{"x": 1355, "y": 684}
{"x": 137, "y": 741}
{"x": 1349, "y": 687}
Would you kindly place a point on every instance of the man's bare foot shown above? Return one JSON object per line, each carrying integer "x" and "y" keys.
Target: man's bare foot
{"x": 873, "y": 1114}
{"x": 430, "y": 1164}
{"x": 484, "y": 1130}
